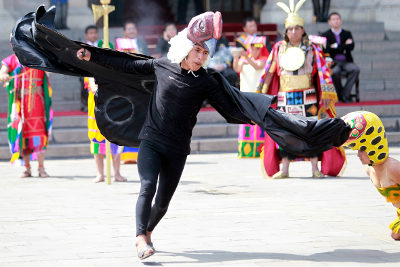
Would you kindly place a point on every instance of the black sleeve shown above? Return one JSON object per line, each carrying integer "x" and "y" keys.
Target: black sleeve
{"x": 347, "y": 47}
{"x": 123, "y": 64}
{"x": 216, "y": 96}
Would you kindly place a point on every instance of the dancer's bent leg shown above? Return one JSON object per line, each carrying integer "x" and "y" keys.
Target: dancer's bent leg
{"x": 149, "y": 165}
{"x": 171, "y": 170}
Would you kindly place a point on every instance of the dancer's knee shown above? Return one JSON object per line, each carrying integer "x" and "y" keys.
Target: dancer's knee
{"x": 148, "y": 188}
{"x": 161, "y": 206}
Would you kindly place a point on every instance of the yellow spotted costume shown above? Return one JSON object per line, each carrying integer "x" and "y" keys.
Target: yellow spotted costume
{"x": 368, "y": 134}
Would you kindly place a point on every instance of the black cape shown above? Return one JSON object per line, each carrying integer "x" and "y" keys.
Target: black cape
{"x": 122, "y": 99}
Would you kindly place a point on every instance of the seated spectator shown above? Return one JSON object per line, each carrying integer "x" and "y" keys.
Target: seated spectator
{"x": 251, "y": 63}
{"x": 222, "y": 61}
{"x": 130, "y": 42}
{"x": 250, "y": 29}
{"x": 163, "y": 46}
{"x": 338, "y": 47}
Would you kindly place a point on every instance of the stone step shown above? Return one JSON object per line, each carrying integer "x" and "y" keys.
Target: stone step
{"x": 79, "y": 121}
{"x": 381, "y": 45}
{"x": 379, "y": 65}
{"x": 383, "y": 55}
{"x": 379, "y": 74}
{"x": 67, "y": 95}
{"x": 56, "y": 151}
{"x": 379, "y": 96}
{"x": 79, "y": 135}
{"x": 66, "y": 86}
{"x": 57, "y": 106}
{"x": 379, "y": 110}
{"x": 379, "y": 85}
{"x": 393, "y": 35}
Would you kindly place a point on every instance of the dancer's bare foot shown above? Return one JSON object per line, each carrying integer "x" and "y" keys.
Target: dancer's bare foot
{"x": 141, "y": 243}
{"x": 99, "y": 178}
{"x": 119, "y": 178}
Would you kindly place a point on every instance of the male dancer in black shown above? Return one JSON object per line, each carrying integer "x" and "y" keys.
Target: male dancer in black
{"x": 176, "y": 100}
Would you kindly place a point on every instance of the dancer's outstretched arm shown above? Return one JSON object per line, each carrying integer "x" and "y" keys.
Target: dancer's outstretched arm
{"x": 122, "y": 64}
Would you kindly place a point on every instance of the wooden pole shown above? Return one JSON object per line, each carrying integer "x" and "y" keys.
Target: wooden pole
{"x": 99, "y": 11}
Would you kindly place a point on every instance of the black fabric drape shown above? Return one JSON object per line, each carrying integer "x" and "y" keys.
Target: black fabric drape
{"x": 122, "y": 99}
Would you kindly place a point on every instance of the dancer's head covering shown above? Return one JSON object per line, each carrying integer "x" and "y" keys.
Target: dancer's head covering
{"x": 367, "y": 134}
{"x": 293, "y": 18}
{"x": 204, "y": 30}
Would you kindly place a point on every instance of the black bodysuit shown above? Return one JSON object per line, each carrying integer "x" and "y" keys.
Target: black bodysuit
{"x": 166, "y": 133}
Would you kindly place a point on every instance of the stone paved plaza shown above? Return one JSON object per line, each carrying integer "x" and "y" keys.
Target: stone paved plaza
{"x": 224, "y": 213}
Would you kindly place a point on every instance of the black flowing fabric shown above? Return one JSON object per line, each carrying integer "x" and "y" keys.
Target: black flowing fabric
{"x": 122, "y": 99}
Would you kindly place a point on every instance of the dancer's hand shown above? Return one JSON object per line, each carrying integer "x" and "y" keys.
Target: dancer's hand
{"x": 4, "y": 77}
{"x": 326, "y": 102}
{"x": 82, "y": 51}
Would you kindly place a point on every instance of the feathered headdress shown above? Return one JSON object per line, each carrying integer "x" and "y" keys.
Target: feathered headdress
{"x": 204, "y": 30}
{"x": 293, "y": 18}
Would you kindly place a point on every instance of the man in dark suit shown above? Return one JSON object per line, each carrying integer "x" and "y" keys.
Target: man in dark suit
{"x": 338, "y": 47}
{"x": 250, "y": 29}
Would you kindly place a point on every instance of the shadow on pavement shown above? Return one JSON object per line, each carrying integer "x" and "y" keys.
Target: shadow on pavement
{"x": 338, "y": 255}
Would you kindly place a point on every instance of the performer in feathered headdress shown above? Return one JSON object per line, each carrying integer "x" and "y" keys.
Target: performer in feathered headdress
{"x": 368, "y": 136}
{"x": 296, "y": 72}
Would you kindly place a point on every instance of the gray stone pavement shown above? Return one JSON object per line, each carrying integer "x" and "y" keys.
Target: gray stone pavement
{"x": 224, "y": 213}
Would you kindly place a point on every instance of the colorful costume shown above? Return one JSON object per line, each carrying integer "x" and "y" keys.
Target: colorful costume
{"x": 368, "y": 134}
{"x": 30, "y": 116}
{"x": 392, "y": 194}
{"x": 251, "y": 137}
{"x": 300, "y": 80}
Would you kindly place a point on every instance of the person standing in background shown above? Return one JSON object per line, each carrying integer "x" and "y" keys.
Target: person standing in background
{"x": 30, "y": 116}
{"x": 321, "y": 14}
{"x": 182, "y": 9}
{"x": 250, "y": 29}
{"x": 130, "y": 42}
{"x": 296, "y": 72}
{"x": 250, "y": 65}
{"x": 62, "y": 13}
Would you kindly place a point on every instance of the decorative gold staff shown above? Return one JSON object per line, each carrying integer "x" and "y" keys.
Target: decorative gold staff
{"x": 98, "y": 12}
